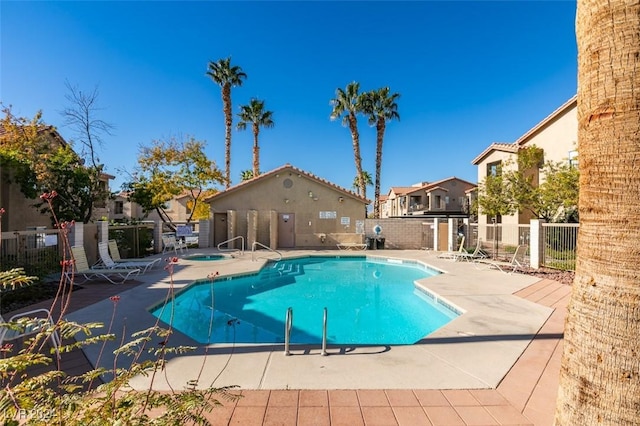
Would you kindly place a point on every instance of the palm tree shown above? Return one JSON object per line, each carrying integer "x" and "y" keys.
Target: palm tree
{"x": 246, "y": 175}
{"x": 599, "y": 374}
{"x": 255, "y": 114}
{"x": 366, "y": 177}
{"x": 380, "y": 106}
{"x": 347, "y": 104}
{"x": 226, "y": 76}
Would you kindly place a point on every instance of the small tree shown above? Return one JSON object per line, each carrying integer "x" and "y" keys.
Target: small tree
{"x": 34, "y": 156}
{"x": 171, "y": 168}
{"x": 517, "y": 189}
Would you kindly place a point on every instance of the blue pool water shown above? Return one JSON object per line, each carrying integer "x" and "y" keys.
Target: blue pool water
{"x": 205, "y": 257}
{"x": 370, "y": 301}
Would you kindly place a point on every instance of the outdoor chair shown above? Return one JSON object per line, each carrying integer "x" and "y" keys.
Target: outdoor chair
{"x": 81, "y": 267}
{"x": 36, "y": 325}
{"x": 517, "y": 261}
{"x": 107, "y": 261}
{"x": 476, "y": 254}
{"x": 453, "y": 254}
{"x": 114, "y": 252}
{"x": 169, "y": 242}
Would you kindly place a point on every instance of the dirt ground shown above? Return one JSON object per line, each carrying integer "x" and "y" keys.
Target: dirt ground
{"x": 564, "y": 277}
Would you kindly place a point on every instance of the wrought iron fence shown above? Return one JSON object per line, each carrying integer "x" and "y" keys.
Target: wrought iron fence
{"x": 38, "y": 251}
{"x": 499, "y": 240}
{"x": 133, "y": 240}
{"x": 559, "y": 245}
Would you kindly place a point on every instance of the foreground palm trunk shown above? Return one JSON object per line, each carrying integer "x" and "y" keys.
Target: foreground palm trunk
{"x": 600, "y": 373}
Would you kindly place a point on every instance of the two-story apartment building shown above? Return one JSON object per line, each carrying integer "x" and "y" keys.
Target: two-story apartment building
{"x": 122, "y": 209}
{"x": 556, "y": 135}
{"x": 450, "y": 197}
{"x": 20, "y": 211}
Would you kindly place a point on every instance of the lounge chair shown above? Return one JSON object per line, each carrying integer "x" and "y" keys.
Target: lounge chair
{"x": 476, "y": 254}
{"x": 517, "y": 261}
{"x": 114, "y": 252}
{"x": 37, "y": 325}
{"x": 169, "y": 242}
{"x": 81, "y": 267}
{"x": 452, "y": 254}
{"x": 351, "y": 246}
{"x": 107, "y": 261}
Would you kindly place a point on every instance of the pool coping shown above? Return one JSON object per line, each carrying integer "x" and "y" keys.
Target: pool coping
{"x": 474, "y": 351}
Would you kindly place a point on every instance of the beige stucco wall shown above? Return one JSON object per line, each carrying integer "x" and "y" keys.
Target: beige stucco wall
{"x": 297, "y": 194}
{"x": 19, "y": 211}
{"x": 556, "y": 138}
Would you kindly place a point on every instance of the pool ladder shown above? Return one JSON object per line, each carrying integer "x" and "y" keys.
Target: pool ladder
{"x": 288, "y": 324}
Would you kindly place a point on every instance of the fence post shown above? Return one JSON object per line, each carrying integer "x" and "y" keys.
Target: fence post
{"x": 451, "y": 243}
{"x": 76, "y": 235}
{"x": 466, "y": 230}
{"x": 535, "y": 243}
{"x": 103, "y": 231}
{"x": 203, "y": 233}
{"x": 435, "y": 233}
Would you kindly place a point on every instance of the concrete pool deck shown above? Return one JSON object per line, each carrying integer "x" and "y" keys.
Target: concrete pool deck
{"x": 474, "y": 351}
{"x": 484, "y": 363}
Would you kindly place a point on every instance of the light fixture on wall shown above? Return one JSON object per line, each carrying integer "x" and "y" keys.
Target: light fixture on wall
{"x": 340, "y": 199}
{"x": 286, "y": 201}
{"x": 310, "y": 194}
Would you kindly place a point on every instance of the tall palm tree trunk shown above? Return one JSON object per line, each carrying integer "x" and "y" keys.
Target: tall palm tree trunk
{"x": 355, "y": 137}
{"x": 256, "y": 150}
{"x": 228, "y": 122}
{"x": 380, "y": 126}
{"x": 600, "y": 372}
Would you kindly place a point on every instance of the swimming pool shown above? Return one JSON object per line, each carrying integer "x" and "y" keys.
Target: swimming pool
{"x": 369, "y": 301}
{"x": 206, "y": 257}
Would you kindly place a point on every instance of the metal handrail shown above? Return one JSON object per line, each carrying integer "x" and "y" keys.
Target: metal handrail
{"x": 232, "y": 239}
{"x": 288, "y": 323}
{"x": 324, "y": 333}
{"x": 253, "y": 250}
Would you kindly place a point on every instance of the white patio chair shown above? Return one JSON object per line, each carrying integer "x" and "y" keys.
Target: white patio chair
{"x": 107, "y": 261}
{"x": 81, "y": 267}
{"x": 36, "y": 325}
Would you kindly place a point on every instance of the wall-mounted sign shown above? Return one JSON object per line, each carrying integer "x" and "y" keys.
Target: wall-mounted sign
{"x": 184, "y": 231}
{"x": 328, "y": 215}
{"x": 345, "y": 221}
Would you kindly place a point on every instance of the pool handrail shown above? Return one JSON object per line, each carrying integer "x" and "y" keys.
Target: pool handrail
{"x": 324, "y": 333}
{"x": 232, "y": 249}
{"x": 288, "y": 323}
{"x": 253, "y": 250}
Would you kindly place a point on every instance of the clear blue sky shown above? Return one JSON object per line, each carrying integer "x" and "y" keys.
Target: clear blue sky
{"x": 469, "y": 74}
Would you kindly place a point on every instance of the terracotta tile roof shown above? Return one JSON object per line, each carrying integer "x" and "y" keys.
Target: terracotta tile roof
{"x": 402, "y": 190}
{"x": 284, "y": 168}
{"x": 496, "y": 146}
{"x": 441, "y": 181}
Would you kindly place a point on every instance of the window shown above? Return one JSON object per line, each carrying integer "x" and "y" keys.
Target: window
{"x": 118, "y": 207}
{"x": 493, "y": 169}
